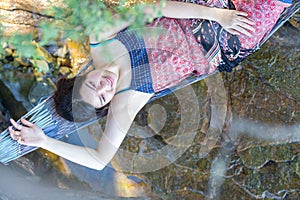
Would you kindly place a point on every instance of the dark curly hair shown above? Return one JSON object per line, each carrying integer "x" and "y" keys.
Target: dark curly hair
{"x": 69, "y": 104}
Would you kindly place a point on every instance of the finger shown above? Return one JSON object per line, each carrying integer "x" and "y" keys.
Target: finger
{"x": 15, "y": 124}
{"x": 246, "y": 20}
{"x": 26, "y": 123}
{"x": 246, "y": 26}
{"x": 241, "y": 13}
{"x": 232, "y": 31}
{"x": 14, "y": 137}
{"x": 242, "y": 30}
{"x": 21, "y": 140}
{"x": 13, "y": 134}
{"x": 12, "y": 131}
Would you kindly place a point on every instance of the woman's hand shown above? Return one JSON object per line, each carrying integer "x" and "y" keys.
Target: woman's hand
{"x": 235, "y": 22}
{"x": 29, "y": 134}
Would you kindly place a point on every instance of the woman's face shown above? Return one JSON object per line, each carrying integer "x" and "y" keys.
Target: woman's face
{"x": 98, "y": 88}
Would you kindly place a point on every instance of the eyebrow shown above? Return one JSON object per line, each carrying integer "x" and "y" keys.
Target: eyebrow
{"x": 101, "y": 101}
{"x": 89, "y": 86}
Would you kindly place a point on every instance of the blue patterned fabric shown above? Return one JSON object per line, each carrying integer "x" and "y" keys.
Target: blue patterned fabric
{"x": 286, "y": 1}
{"x": 141, "y": 75}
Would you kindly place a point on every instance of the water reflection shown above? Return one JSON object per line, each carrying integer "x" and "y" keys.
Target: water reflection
{"x": 16, "y": 184}
{"x": 274, "y": 134}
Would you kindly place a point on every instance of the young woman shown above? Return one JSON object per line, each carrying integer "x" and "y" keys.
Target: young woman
{"x": 130, "y": 67}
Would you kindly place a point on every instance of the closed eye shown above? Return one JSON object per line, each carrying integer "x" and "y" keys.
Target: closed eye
{"x": 92, "y": 84}
{"x": 102, "y": 100}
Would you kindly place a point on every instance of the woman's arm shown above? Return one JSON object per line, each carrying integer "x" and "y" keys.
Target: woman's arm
{"x": 118, "y": 123}
{"x": 233, "y": 21}
{"x": 32, "y": 135}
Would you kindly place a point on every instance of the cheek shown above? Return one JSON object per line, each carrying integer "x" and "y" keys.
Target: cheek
{"x": 95, "y": 77}
{"x": 110, "y": 97}
{"x": 92, "y": 99}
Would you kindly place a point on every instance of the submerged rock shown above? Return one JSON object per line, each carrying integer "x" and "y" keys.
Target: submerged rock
{"x": 262, "y": 156}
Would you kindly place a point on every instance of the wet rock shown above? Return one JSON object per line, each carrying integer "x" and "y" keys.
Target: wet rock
{"x": 257, "y": 157}
{"x": 14, "y": 96}
{"x": 38, "y": 6}
{"x": 24, "y": 17}
{"x": 4, "y": 117}
{"x": 274, "y": 180}
{"x": 265, "y": 94}
{"x": 295, "y": 20}
{"x": 79, "y": 55}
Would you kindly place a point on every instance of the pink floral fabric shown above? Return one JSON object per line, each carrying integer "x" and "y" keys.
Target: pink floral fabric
{"x": 175, "y": 52}
{"x": 264, "y": 13}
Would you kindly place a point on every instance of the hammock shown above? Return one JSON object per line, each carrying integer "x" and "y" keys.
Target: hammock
{"x": 44, "y": 115}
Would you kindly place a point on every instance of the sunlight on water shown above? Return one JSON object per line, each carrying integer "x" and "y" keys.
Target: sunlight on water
{"x": 277, "y": 134}
{"x": 216, "y": 180}
{"x": 16, "y": 184}
{"x": 126, "y": 187}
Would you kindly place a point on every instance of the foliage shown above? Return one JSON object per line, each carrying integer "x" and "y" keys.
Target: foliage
{"x": 74, "y": 20}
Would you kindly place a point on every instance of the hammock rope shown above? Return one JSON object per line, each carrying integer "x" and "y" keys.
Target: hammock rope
{"x": 44, "y": 115}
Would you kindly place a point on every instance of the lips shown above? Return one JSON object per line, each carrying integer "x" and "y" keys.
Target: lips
{"x": 109, "y": 79}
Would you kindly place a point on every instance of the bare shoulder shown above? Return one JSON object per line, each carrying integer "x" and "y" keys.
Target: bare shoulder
{"x": 123, "y": 109}
{"x": 130, "y": 101}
